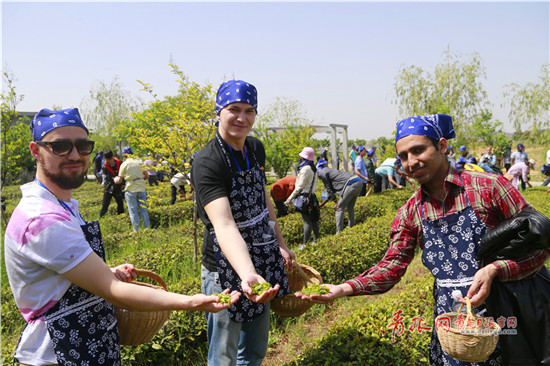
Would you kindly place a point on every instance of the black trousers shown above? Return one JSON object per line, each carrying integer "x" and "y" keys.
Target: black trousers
{"x": 119, "y": 198}
{"x": 174, "y": 192}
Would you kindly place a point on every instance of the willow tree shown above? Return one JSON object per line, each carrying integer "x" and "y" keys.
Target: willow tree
{"x": 454, "y": 87}
{"x": 530, "y": 106}
{"x": 285, "y": 131}
{"x": 173, "y": 127}
{"x": 107, "y": 105}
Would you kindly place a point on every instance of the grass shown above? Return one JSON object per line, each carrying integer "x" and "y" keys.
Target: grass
{"x": 169, "y": 250}
{"x": 290, "y": 337}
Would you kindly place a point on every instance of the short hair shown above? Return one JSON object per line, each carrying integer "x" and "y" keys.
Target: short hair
{"x": 435, "y": 143}
{"x": 107, "y": 154}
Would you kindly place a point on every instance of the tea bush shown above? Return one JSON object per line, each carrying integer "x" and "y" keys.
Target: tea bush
{"x": 363, "y": 337}
{"x": 351, "y": 252}
{"x": 168, "y": 248}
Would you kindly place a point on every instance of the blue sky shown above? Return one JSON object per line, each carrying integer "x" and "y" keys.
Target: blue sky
{"x": 338, "y": 59}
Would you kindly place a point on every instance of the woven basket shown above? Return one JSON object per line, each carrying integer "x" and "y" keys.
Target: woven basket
{"x": 471, "y": 340}
{"x": 299, "y": 277}
{"x": 138, "y": 327}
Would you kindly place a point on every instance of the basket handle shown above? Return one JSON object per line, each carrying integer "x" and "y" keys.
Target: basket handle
{"x": 302, "y": 273}
{"x": 152, "y": 275}
{"x": 468, "y": 309}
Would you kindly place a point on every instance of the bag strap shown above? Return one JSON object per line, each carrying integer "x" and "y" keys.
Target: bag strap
{"x": 311, "y": 186}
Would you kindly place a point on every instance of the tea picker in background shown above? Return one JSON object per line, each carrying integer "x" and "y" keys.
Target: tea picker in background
{"x": 400, "y": 175}
{"x": 545, "y": 170}
{"x": 517, "y": 157}
{"x": 489, "y": 158}
{"x": 347, "y": 186}
{"x": 446, "y": 216}
{"x": 519, "y": 172}
{"x": 151, "y": 165}
{"x": 364, "y": 169}
{"x": 239, "y": 248}
{"x": 464, "y": 153}
{"x": 135, "y": 191}
{"x": 280, "y": 191}
{"x": 306, "y": 185}
{"x": 384, "y": 175}
{"x": 97, "y": 164}
{"x": 352, "y": 156}
{"x": 177, "y": 184}
{"x": 55, "y": 260}
{"x": 110, "y": 169}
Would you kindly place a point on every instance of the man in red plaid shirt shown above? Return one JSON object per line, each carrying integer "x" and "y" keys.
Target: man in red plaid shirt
{"x": 446, "y": 217}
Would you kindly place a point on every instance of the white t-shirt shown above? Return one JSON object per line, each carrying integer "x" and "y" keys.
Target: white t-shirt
{"x": 178, "y": 180}
{"x": 42, "y": 241}
{"x": 520, "y": 157}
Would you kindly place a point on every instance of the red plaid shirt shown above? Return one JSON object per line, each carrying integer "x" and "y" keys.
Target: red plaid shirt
{"x": 492, "y": 197}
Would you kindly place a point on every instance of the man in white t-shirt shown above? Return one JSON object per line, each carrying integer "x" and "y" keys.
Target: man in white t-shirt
{"x": 55, "y": 260}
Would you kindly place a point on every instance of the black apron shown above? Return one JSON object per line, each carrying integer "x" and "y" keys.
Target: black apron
{"x": 249, "y": 210}
{"x": 450, "y": 247}
{"x": 83, "y": 326}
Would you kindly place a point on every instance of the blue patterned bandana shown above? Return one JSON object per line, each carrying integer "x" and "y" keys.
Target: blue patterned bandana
{"x": 435, "y": 126}
{"x": 234, "y": 91}
{"x": 47, "y": 120}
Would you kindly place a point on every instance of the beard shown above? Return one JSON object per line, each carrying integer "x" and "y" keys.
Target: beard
{"x": 63, "y": 180}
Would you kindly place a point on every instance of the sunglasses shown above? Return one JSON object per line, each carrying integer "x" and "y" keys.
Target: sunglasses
{"x": 64, "y": 147}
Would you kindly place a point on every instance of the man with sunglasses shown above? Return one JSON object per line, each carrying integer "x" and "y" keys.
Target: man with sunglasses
{"x": 55, "y": 260}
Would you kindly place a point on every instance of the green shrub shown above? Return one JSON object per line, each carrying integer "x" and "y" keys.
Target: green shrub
{"x": 348, "y": 254}
{"x": 363, "y": 338}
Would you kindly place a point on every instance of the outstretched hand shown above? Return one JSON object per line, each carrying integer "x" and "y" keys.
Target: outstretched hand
{"x": 336, "y": 291}
{"x": 211, "y": 303}
{"x": 265, "y": 296}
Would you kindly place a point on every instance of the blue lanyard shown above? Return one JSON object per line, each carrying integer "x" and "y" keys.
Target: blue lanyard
{"x": 61, "y": 202}
{"x": 235, "y": 160}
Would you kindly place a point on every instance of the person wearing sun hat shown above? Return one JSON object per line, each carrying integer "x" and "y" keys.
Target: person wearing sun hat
{"x": 233, "y": 203}
{"x": 306, "y": 184}
{"x": 55, "y": 260}
{"x": 445, "y": 219}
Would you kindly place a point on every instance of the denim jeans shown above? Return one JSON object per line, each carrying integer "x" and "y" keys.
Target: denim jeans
{"x": 137, "y": 201}
{"x": 545, "y": 183}
{"x": 232, "y": 343}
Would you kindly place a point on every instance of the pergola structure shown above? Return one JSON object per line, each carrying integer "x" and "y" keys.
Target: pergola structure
{"x": 331, "y": 129}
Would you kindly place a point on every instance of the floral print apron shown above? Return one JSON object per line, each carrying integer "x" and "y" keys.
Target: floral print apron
{"x": 450, "y": 248}
{"x": 82, "y": 326}
{"x": 249, "y": 210}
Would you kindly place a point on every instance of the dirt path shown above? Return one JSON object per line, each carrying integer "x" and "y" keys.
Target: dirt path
{"x": 304, "y": 334}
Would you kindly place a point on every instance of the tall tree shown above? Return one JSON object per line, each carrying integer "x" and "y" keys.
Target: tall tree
{"x": 176, "y": 126}
{"x": 284, "y": 131}
{"x": 489, "y": 131}
{"x": 15, "y": 133}
{"x": 454, "y": 88}
{"x": 530, "y": 106}
{"x": 107, "y": 105}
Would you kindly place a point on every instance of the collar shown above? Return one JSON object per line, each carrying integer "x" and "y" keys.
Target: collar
{"x": 452, "y": 182}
